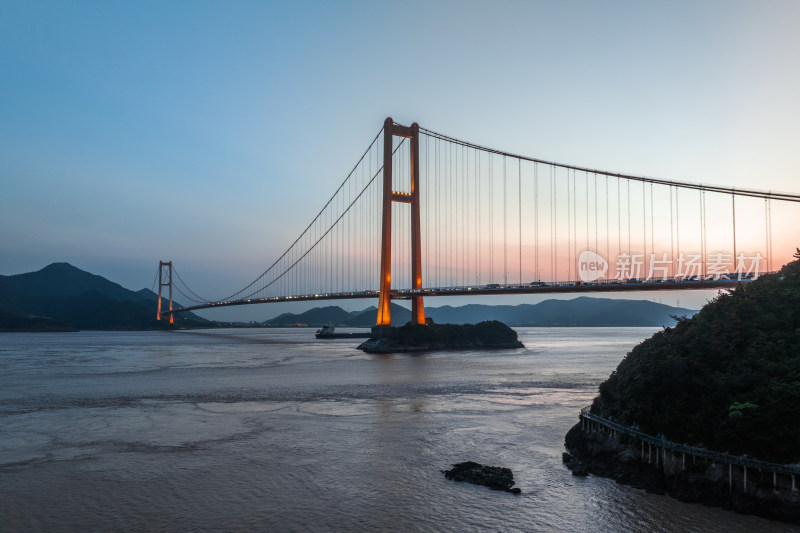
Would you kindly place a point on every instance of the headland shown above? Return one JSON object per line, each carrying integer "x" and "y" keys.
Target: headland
{"x": 725, "y": 383}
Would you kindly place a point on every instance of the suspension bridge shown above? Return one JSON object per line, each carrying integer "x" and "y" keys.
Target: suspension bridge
{"x": 425, "y": 214}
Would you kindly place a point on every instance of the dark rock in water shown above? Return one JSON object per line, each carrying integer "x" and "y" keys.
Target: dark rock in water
{"x": 494, "y": 477}
{"x": 566, "y": 457}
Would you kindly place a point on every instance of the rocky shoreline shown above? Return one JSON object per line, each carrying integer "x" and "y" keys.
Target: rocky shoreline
{"x": 702, "y": 482}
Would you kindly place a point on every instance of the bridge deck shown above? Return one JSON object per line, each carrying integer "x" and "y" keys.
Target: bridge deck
{"x": 476, "y": 290}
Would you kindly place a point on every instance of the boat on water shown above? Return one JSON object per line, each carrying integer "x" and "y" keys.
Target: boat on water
{"x": 329, "y": 332}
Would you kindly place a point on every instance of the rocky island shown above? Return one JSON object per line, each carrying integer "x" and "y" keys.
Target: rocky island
{"x": 707, "y": 411}
{"x": 494, "y": 477}
{"x": 488, "y": 335}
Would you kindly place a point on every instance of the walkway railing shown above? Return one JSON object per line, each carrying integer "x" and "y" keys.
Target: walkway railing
{"x": 745, "y": 462}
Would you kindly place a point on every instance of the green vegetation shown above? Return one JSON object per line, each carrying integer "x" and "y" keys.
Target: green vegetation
{"x": 488, "y": 333}
{"x": 727, "y": 379}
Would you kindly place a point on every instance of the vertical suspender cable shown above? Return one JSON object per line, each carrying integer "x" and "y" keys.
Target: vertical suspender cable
{"x": 768, "y": 206}
{"x": 677, "y": 222}
{"x": 464, "y": 217}
{"x": 629, "y": 218}
{"x": 595, "y": 214}
{"x": 644, "y": 221}
{"x": 519, "y": 198}
{"x": 465, "y": 230}
{"x": 491, "y": 217}
{"x": 427, "y": 213}
{"x": 671, "y": 236}
{"x": 448, "y": 214}
{"x": 457, "y": 248}
{"x": 770, "y": 263}
{"x": 453, "y": 213}
{"x": 338, "y": 251}
{"x": 464, "y": 222}
{"x": 586, "y": 212}
{"x": 505, "y": 226}
{"x": 446, "y": 195}
{"x": 477, "y": 217}
{"x": 536, "y": 220}
{"x": 569, "y": 229}
{"x": 608, "y": 226}
{"x": 619, "y": 220}
{"x": 574, "y": 226}
{"x": 450, "y": 218}
{"x": 552, "y": 223}
{"x": 704, "y": 241}
{"x": 349, "y": 237}
{"x": 652, "y": 224}
{"x": 476, "y": 174}
{"x": 766, "y": 231}
{"x": 733, "y": 218}
{"x": 440, "y": 235}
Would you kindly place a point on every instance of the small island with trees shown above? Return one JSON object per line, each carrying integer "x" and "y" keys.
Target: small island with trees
{"x": 727, "y": 381}
{"x": 488, "y": 335}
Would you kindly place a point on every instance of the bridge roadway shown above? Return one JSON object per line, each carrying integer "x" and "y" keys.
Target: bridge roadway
{"x": 610, "y": 285}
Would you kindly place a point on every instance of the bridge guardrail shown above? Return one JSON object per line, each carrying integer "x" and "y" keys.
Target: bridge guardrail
{"x": 692, "y": 450}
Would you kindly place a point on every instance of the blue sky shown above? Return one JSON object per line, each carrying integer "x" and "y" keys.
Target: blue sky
{"x": 210, "y": 133}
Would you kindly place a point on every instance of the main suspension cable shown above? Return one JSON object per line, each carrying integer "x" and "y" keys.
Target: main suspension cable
{"x": 789, "y": 197}
{"x": 309, "y": 226}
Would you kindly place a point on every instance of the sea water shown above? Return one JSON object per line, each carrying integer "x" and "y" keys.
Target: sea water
{"x": 273, "y": 430}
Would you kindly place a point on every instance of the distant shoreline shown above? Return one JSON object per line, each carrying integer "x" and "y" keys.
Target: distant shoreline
{"x": 250, "y": 326}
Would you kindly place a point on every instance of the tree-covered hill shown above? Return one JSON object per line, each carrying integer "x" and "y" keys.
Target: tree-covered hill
{"x": 728, "y": 378}
{"x": 61, "y": 296}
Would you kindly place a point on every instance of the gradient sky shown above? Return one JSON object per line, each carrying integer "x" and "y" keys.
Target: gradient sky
{"x": 210, "y": 133}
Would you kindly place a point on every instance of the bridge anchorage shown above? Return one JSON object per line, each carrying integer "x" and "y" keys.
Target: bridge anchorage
{"x": 482, "y": 221}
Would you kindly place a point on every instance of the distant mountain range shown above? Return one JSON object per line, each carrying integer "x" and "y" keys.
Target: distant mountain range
{"x": 582, "y": 311}
{"x": 62, "y": 297}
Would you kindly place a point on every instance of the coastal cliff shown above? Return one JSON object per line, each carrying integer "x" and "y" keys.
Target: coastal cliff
{"x": 727, "y": 380}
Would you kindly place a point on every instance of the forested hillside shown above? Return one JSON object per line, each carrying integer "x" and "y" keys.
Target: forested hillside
{"x": 728, "y": 378}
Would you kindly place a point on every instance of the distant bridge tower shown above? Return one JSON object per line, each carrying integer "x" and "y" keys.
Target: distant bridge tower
{"x": 165, "y": 267}
{"x": 390, "y": 130}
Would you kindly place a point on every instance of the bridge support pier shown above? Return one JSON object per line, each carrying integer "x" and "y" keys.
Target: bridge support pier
{"x": 383, "y": 332}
